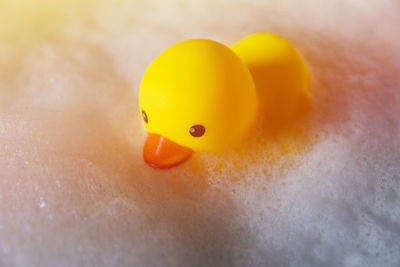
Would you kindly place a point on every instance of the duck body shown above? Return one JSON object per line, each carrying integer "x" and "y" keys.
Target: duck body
{"x": 200, "y": 95}
{"x": 280, "y": 74}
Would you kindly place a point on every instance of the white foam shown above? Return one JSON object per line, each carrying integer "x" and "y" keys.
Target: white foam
{"x": 74, "y": 189}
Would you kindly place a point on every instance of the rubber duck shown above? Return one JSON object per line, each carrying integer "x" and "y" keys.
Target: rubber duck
{"x": 200, "y": 95}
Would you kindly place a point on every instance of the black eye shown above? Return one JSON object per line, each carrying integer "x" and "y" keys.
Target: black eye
{"x": 144, "y": 115}
{"x": 197, "y": 130}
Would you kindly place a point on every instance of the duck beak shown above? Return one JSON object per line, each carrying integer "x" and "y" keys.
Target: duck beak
{"x": 161, "y": 153}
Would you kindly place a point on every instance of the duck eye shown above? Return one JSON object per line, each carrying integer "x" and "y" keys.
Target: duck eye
{"x": 144, "y": 115}
{"x": 197, "y": 130}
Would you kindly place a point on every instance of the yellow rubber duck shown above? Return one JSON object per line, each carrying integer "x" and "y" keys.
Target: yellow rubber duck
{"x": 200, "y": 95}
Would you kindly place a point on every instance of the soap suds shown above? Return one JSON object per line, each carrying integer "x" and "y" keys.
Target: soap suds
{"x": 73, "y": 186}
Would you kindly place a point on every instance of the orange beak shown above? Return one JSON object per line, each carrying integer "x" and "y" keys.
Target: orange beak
{"x": 161, "y": 153}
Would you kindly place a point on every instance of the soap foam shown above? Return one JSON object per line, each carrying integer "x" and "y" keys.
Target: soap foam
{"x": 73, "y": 186}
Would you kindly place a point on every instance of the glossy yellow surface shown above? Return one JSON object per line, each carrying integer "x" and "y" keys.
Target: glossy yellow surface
{"x": 199, "y": 82}
{"x": 203, "y": 82}
{"x": 280, "y": 74}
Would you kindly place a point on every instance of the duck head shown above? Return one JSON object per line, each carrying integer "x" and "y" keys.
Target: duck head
{"x": 195, "y": 96}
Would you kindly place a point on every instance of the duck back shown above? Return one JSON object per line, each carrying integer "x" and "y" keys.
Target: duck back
{"x": 281, "y": 77}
